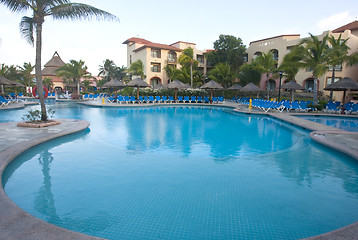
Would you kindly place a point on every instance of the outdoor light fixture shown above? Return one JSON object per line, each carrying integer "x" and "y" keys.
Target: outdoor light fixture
{"x": 279, "y": 87}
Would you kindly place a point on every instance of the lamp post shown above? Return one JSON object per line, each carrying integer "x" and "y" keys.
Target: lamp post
{"x": 279, "y": 87}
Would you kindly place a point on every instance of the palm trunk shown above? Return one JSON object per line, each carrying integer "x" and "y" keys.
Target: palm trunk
{"x": 191, "y": 75}
{"x": 333, "y": 76}
{"x": 39, "y": 83}
{"x": 315, "y": 90}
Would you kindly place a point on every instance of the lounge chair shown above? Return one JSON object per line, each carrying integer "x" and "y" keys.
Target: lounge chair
{"x": 180, "y": 99}
{"x": 120, "y": 99}
{"x": 221, "y": 99}
{"x": 186, "y": 99}
{"x": 199, "y": 99}
{"x": 193, "y": 99}
{"x": 164, "y": 99}
{"x": 171, "y": 99}
{"x": 215, "y": 100}
{"x": 158, "y": 99}
{"x": 151, "y": 99}
{"x": 132, "y": 99}
{"x": 206, "y": 100}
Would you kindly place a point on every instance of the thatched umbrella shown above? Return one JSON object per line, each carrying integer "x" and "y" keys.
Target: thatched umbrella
{"x": 343, "y": 84}
{"x": 235, "y": 87}
{"x": 7, "y": 82}
{"x": 292, "y": 86}
{"x": 138, "y": 83}
{"x": 114, "y": 83}
{"x": 176, "y": 84}
{"x": 211, "y": 85}
{"x": 250, "y": 87}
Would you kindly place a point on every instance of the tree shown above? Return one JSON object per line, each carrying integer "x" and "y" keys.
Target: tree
{"x": 137, "y": 69}
{"x": 58, "y": 9}
{"x": 266, "y": 64}
{"x": 172, "y": 72}
{"x": 315, "y": 57}
{"x": 228, "y": 49}
{"x": 249, "y": 74}
{"x": 338, "y": 54}
{"x": 47, "y": 83}
{"x": 26, "y": 72}
{"x": 121, "y": 73}
{"x": 87, "y": 84}
{"x": 107, "y": 70}
{"x": 187, "y": 59}
{"x": 291, "y": 64}
{"x": 74, "y": 71}
{"x": 222, "y": 74}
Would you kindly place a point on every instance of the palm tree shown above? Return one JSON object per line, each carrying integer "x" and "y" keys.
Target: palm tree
{"x": 121, "y": 73}
{"x": 338, "y": 54}
{"x": 27, "y": 76}
{"x": 107, "y": 70}
{"x": 315, "y": 57}
{"x": 222, "y": 73}
{"x": 249, "y": 74}
{"x": 187, "y": 59}
{"x": 48, "y": 82}
{"x": 137, "y": 69}
{"x": 74, "y": 71}
{"x": 58, "y": 9}
{"x": 266, "y": 64}
{"x": 172, "y": 72}
{"x": 291, "y": 64}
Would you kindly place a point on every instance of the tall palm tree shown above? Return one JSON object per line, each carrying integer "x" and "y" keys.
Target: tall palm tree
{"x": 315, "y": 56}
{"x": 74, "y": 71}
{"x": 58, "y": 9}
{"x": 137, "y": 69}
{"x": 107, "y": 69}
{"x": 121, "y": 73}
{"x": 27, "y": 76}
{"x": 266, "y": 64}
{"x": 338, "y": 54}
{"x": 291, "y": 64}
{"x": 172, "y": 72}
{"x": 187, "y": 58}
{"x": 223, "y": 74}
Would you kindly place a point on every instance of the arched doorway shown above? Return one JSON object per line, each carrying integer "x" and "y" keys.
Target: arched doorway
{"x": 271, "y": 85}
{"x": 155, "y": 81}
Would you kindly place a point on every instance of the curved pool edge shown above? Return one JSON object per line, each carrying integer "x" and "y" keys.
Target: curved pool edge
{"x": 15, "y": 223}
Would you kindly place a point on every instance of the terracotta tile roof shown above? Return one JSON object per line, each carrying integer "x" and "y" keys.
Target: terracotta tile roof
{"x": 147, "y": 43}
{"x": 350, "y": 26}
{"x": 183, "y": 42}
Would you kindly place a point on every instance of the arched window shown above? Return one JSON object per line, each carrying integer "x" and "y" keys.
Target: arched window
{"x": 275, "y": 54}
{"x": 256, "y": 55}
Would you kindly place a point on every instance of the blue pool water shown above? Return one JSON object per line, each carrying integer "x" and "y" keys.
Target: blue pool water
{"x": 183, "y": 173}
{"x": 345, "y": 123}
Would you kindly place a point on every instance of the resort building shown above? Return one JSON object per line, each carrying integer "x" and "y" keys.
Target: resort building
{"x": 281, "y": 45}
{"x": 155, "y": 56}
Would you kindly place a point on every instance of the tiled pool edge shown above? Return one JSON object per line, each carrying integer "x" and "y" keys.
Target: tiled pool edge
{"x": 15, "y": 223}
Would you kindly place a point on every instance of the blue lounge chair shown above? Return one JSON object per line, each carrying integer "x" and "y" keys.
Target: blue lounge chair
{"x": 164, "y": 99}
{"x": 158, "y": 99}
{"x": 221, "y": 99}
{"x": 132, "y": 99}
{"x": 186, "y": 99}
{"x": 180, "y": 99}
{"x": 151, "y": 99}
{"x": 206, "y": 100}
{"x": 171, "y": 99}
{"x": 193, "y": 99}
{"x": 127, "y": 99}
{"x": 146, "y": 99}
{"x": 199, "y": 99}
{"x": 120, "y": 99}
{"x": 215, "y": 100}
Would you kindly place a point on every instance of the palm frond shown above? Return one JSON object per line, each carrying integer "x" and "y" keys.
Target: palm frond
{"x": 15, "y": 5}
{"x": 78, "y": 11}
{"x": 27, "y": 29}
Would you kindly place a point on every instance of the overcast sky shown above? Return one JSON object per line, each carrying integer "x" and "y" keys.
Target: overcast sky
{"x": 166, "y": 22}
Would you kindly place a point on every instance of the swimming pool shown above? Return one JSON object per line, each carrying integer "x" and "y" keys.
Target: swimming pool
{"x": 346, "y": 123}
{"x": 184, "y": 173}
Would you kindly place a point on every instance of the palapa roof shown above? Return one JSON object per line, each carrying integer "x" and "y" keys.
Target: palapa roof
{"x": 343, "y": 84}
{"x": 52, "y": 65}
{"x": 250, "y": 88}
{"x": 138, "y": 83}
{"x": 212, "y": 85}
{"x": 5, "y": 81}
{"x": 292, "y": 85}
{"x": 235, "y": 87}
{"x": 114, "y": 83}
{"x": 159, "y": 86}
{"x": 350, "y": 26}
{"x": 176, "y": 84}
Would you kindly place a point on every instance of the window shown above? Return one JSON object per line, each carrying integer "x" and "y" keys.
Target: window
{"x": 200, "y": 58}
{"x": 130, "y": 59}
{"x": 155, "y": 53}
{"x": 246, "y": 58}
{"x": 172, "y": 57}
{"x": 155, "y": 67}
{"x": 275, "y": 54}
{"x": 336, "y": 68}
{"x": 309, "y": 85}
{"x": 271, "y": 85}
{"x": 329, "y": 80}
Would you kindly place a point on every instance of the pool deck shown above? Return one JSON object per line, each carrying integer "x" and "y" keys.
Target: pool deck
{"x": 15, "y": 223}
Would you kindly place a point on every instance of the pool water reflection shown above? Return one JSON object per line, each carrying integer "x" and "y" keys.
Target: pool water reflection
{"x": 185, "y": 173}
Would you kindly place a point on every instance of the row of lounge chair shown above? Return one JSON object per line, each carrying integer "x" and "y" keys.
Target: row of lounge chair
{"x": 338, "y": 107}
{"x": 163, "y": 99}
{"x": 7, "y": 101}
{"x": 266, "y": 105}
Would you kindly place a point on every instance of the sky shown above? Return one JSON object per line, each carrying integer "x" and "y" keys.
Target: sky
{"x": 166, "y": 22}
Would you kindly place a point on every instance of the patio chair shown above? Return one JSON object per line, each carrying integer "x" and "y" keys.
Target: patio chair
{"x": 186, "y": 99}
{"x": 180, "y": 99}
{"x": 151, "y": 99}
{"x": 171, "y": 99}
{"x": 206, "y": 100}
{"x": 120, "y": 99}
{"x": 158, "y": 99}
{"x": 132, "y": 99}
{"x": 199, "y": 99}
{"x": 164, "y": 99}
{"x": 193, "y": 99}
{"x": 215, "y": 100}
